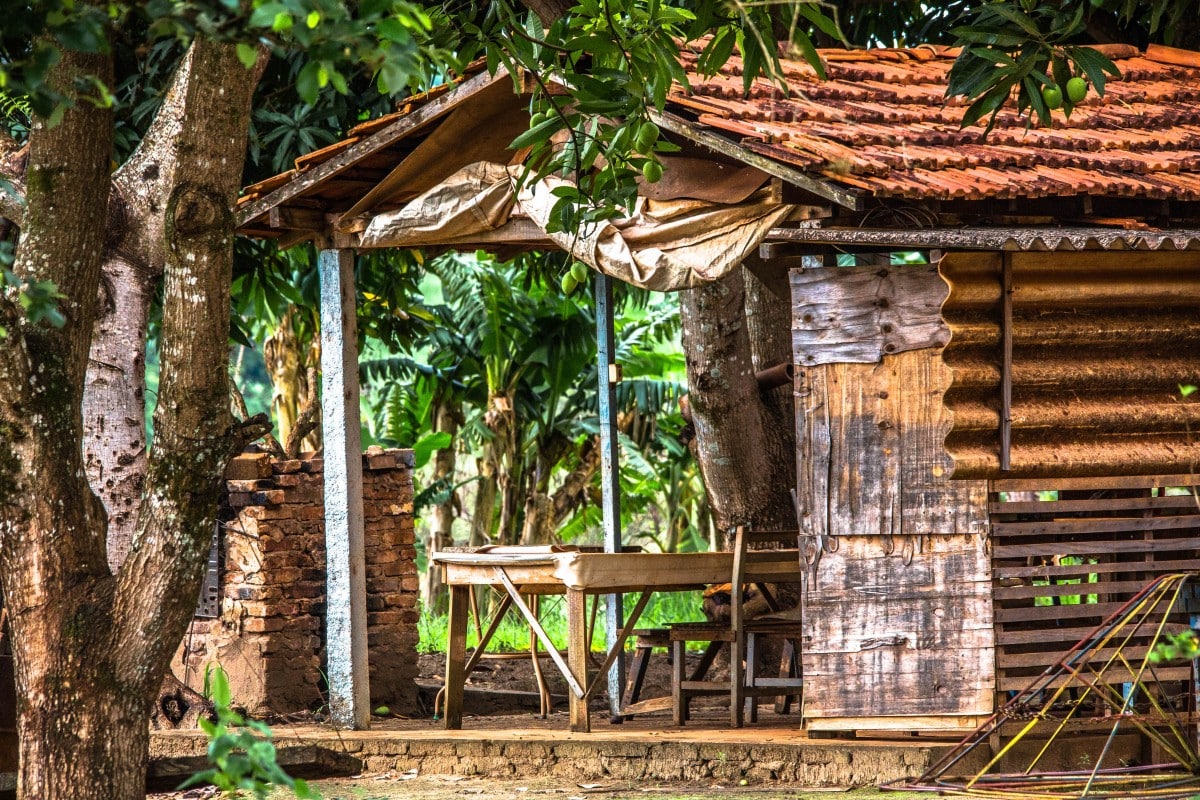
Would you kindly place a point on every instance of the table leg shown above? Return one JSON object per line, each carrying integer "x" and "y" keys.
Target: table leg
{"x": 577, "y": 657}
{"x": 456, "y": 656}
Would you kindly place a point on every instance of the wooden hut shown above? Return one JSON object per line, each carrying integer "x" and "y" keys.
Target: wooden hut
{"x": 981, "y": 433}
{"x": 990, "y": 333}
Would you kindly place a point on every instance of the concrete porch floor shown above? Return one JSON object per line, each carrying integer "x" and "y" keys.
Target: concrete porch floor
{"x": 647, "y": 748}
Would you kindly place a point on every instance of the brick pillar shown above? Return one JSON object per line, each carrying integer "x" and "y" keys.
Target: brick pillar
{"x": 270, "y": 634}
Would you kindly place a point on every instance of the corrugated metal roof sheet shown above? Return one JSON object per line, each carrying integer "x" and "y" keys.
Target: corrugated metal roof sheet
{"x": 1039, "y": 238}
{"x": 1101, "y": 344}
{"x": 881, "y": 124}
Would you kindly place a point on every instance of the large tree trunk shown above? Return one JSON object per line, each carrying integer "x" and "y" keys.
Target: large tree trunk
{"x": 135, "y": 251}
{"x": 746, "y": 471}
{"x": 91, "y": 648}
{"x": 114, "y": 402}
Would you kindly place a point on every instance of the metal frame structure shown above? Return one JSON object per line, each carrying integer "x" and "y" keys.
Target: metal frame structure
{"x": 1121, "y": 694}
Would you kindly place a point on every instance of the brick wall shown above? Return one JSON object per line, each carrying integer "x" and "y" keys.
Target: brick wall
{"x": 269, "y": 636}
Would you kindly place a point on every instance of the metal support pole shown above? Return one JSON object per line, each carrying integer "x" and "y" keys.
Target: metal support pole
{"x": 609, "y": 376}
{"x": 346, "y": 587}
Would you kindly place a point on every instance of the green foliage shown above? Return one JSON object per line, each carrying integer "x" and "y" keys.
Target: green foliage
{"x": 1184, "y": 645}
{"x": 38, "y": 299}
{"x": 619, "y": 59}
{"x": 1033, "y": 53}
{"x": 395, "y": 42}
{"x": 1023, "y": 47}
{"x": 240, "y": 750}
{"x": 512, "y": 636}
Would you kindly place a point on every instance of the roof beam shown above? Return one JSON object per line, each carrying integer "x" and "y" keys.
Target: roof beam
{"x": 517, "y": 231}
{"x": 720, "y": 144}
{"x": 996, "y": 239}
{"x": 370, "y": 145}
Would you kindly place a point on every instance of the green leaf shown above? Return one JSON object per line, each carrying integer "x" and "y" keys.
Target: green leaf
{"x": 812, "y": 12}
{"x": 1015, "y": 16}
{"x": 219, "y": 687}
{"x": 264, "y": 15}
{"x": 247, "y": 54}
{"x": 425, "y": 447}
{"x": 1095, "y": 65}
{"x": 307, "y": 83}
{"x": 537, "y": 134}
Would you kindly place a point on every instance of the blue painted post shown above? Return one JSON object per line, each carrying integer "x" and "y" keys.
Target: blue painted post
{"x": 609, "y": 376}
{"x": 345, "y": 580}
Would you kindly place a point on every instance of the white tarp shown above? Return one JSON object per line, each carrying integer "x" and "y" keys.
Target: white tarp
{"x": 664, "y": 245}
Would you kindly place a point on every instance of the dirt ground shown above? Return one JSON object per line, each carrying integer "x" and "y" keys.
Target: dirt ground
{"x": 511, "y": 676}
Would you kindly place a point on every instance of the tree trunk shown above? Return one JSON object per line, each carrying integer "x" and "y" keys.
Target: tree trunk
{"x": 282, "y": 356}
{"x": 288, "y": 360}
{"x": 441, "y": 521}
{"x": 113, "y": 636}
{"x": 485, "y": 502}
{"x": 769, "y": 325}
{"x": 736, "y": 436}
{"x": 114, "y": 401}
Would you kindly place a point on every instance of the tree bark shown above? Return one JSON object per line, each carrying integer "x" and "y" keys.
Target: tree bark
{"x": 441, "y": 522}
{"x": 91, "y": 648}
{"x": 769, "y": 326}
{"x": 288, "y": 361}
{"x": 114, "y": 402}
{"x": 747, "y": 481}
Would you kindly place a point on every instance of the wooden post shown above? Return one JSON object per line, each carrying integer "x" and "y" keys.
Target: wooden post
{"x": 456, "y": 655}
{"x": 610, "y": 487}
{"x": 346, "y": 587}
{"x": 577, "y": 657}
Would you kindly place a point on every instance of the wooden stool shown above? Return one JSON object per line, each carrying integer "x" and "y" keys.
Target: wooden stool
{"x": 645, "y": 642}
{"x": 789, "y": 683}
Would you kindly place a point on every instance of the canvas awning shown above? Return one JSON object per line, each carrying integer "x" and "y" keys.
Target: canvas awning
{"x": 665, "y": 244}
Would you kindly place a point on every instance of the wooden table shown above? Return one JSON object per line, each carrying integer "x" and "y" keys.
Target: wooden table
{"x": 575, "y": 574}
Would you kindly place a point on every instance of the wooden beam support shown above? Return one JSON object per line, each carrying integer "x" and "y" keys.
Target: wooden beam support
{"x": 517, "y": 231}
{"x": 994, "y": 239}
{"x": 720, "y": 144}
{"x": 372, "y": 144}
{"x": 346, "y": 580}
{"x": 296, "y": 219}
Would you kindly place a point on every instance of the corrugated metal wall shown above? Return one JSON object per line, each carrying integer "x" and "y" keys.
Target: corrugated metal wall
{"x": 1101, "y": 343}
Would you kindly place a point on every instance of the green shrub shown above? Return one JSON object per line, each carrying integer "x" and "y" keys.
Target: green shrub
{"x": 513, "y": 634}
{"x": 240, "y": 750}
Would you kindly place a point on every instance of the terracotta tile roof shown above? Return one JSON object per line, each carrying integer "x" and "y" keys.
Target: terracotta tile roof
{"x": 881, "y": 124}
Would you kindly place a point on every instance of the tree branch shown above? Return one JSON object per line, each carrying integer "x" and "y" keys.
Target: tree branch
{"x": 239, "y": 405}
{"x": 306, "y": 421}
{"x": 195, "y": 433}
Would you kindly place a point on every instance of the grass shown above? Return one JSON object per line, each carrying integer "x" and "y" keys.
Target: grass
{"x": 513, "y": 634}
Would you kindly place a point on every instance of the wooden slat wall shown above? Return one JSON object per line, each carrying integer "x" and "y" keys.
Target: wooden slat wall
{"x": 884, "y": 638}
{"x": 1126, "y": 530}
{"x": 870, "y": 454}
{"x": 898, "y": 617}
